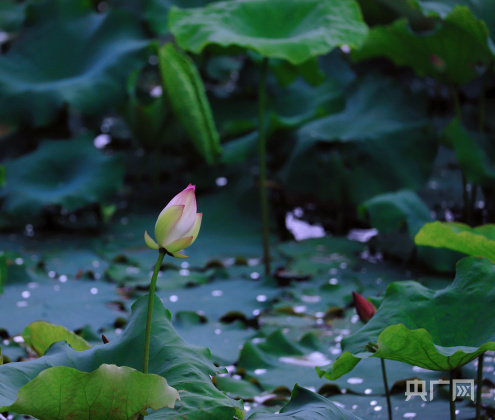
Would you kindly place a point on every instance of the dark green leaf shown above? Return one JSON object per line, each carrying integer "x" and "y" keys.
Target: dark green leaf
{"x": 382, "y": 131}
{"x": 475, "y": 153}
{"x": 307, "y": 405}
{"x": 70, "y": 55}
{"x": 71, "y": 173}
{"x": 388, "y": 212}
{"x": 482, "y": 9}
{"x": 450, "y": 53}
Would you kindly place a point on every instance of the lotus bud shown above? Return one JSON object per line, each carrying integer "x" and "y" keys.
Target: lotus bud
{"x": 178, "y": 224}
{"x": 365, "y": 309}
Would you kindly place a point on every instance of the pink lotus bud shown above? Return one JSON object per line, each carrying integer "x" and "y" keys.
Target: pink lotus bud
{"x": 365, "y": 309}
{"x": 178, "y": 224}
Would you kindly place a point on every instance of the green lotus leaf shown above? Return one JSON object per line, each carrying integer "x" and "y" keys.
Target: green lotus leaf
{"x": 69, "y": 173}
{"x": 450, "y": 53}
{"x": 482, "y": 9}
{"x": 475, "y": 153}
{"x": 433, "y": 329}
{"x": 40, "y": 335}
{"x": 307, "y": 405}
{"x": 387, "y": 212}
{"x": 185, "y": 367}
{"x": 187, "y": 97}
{"x": 361, "y": 140}
{"x": 390, "y": 212}
{"x": 287, "y": 29}
{"x": 69, "y": 55}
{"x": 11, "y": 15}
{"x": 478, "y": 241}
{"x": 110, "y": 391}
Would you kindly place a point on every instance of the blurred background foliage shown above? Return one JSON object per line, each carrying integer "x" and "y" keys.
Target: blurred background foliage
{"x": 101, "y": 110}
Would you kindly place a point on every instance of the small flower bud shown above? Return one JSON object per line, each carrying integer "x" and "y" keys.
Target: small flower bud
{"x": 364, "y": 308}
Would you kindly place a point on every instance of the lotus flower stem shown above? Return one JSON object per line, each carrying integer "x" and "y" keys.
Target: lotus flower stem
{"x": 387, "y": 391}
{"x": 149, "y": 317}
{"x": 478, "y": 389}
{"x": 452, "y": 396}
{"x": 465, "y": 194}
{"x": 262, "y": 157}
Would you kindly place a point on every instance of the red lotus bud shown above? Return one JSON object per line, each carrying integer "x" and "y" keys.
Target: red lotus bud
{"x": 364, "y": 308}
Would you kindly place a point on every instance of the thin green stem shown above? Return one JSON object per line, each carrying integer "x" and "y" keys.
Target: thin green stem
{"x": 262, "y": 157}
{"x": 482, "y": 102}
{"x": 149, "y": 317}
{"x": 466, "y": 200}
{"x": 479, "y": 388}
{"x": 465, "y": 194}
{"x": 457, "y": 102}
{"x": 387, "y": 391}
{"x": 452, "y": 396}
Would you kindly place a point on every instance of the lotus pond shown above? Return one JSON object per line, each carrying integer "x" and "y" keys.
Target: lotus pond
{"x": 247, "y": 209}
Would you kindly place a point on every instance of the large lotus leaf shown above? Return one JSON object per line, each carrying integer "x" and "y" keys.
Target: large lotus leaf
{"x": 70, "y": 55}
{"x": 288, "y": 29}
{"x": 187, "y": 97}
{"x": 433, "y": 329}
{"x": 390, "y": 212}
{"x": 478, "y": 241}
{"x": 387, "y": 212}
{"x": 475, "y": 153}
{"x": 450, "y": 53}
{"x": 186, "y": 367}
{"x": 382, "y": 132}
{"x": 482, "y": 9}
{"x": 307, "y": 405}
{"x": 11, "y": 15}
{"x": 70, "y": 173}
{"x": 110, "y": 391}
{"x": 40, "y": 335}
